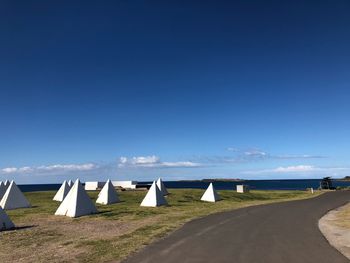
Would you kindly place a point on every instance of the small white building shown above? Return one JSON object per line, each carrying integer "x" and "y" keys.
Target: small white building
{"x": 241, "y": 188}
{"x": 92, "y": 186}
{"x": 125, "y": 184}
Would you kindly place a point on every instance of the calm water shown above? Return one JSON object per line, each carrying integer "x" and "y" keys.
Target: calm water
{"x": 253, "y": 184}
{"x": 38, "y": 187}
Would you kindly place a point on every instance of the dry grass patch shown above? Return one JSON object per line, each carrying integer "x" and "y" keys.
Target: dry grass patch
{"x": 343, "y": 217}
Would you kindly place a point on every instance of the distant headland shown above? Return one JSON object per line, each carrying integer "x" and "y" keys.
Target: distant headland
{"x": 216, "y": 180}
{"x": 346, "y": 178}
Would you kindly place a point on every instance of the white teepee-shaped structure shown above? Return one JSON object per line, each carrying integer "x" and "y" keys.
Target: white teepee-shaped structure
{"x": 162, "y": 187}
{"x": 2, "y": 190}
{"x": 210, "y": 194}
{"x": 154, "y": 197}
{"x": 62, "y": 192}
{"x": 5, "y": 221}
{"x": 70, "y": 183}
{"x": 77, "y": 203}
{"x": 7, "y": 184}
{"x": 108, "y": 194}
{"x": 14, "y": 198}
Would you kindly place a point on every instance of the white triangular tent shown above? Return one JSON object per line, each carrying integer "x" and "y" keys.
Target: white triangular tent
{"x": 14, "y": 198}
{"x": 2, "y": 190}
{"x": 7, "y": 184}
{"x": 154, "y": 197}
{"x": 162, "y": 187}
{"x": 108, "y": 194}
{"x": 62, "y": 192}
{"x": 210, "y": 194}
{"x": 70, "y": 183}
{"x": 5, "y": 221}
{"x": 77, "y": 203}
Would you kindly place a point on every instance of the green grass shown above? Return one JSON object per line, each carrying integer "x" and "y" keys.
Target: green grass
{"x": 119, "y": 229}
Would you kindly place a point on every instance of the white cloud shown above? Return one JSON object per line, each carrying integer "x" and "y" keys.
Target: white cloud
{"x": 55, "y": 168}
{"x": 25, "y": 169}
{"x": 9, "y": 170}
{"x": 180, "y": 164}
{"x": 68, "y": 167}
{"x": 145, "y": 160}
{"x": 153, "y": 162}
{"x": 295, "y": 169}
{"x": 302, "y": 169}
{"x": 295, "y": 156}
{"x": 123, "y": 160}
{"x": 232, "y": 149}
{"x": 256, "y": 154}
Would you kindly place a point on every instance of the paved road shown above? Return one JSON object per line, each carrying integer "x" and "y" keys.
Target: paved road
{"x": 277, "y": 233}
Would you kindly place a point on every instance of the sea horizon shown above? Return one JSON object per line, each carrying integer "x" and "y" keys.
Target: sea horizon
{"x": 255, "y": 184}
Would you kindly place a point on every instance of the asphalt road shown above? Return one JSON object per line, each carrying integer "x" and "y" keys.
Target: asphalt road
{"x": 277, "y": 233}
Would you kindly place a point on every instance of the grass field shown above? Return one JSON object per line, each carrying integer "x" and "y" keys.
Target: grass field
{"x": 118, "y": 229}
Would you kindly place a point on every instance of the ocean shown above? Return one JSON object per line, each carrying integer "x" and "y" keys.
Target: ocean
{"x": 220, "y": 185}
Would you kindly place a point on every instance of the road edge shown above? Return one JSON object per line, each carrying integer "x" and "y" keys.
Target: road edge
{"x": 338, "y": 237}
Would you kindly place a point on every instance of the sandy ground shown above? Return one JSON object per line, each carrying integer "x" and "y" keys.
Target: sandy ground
{"x": 336, "y": 232}
{"x": 60, "y": 238}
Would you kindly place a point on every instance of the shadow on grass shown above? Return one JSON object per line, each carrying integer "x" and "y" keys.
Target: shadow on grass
{"x": 24, "y": 227}
{"x": 103, "y": 212}
{"x": 18, "y": 228}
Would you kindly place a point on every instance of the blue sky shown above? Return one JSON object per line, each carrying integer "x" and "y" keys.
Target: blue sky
{"x": 178, "y": 89}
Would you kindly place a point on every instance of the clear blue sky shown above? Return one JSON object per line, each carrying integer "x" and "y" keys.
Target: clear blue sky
{"x": 178, "y": 89}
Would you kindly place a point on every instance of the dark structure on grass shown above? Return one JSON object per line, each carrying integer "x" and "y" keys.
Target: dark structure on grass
{"x": 326, "y": 183}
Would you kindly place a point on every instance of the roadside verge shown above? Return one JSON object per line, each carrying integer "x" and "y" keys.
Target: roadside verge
{"x": 335, "y": 226}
